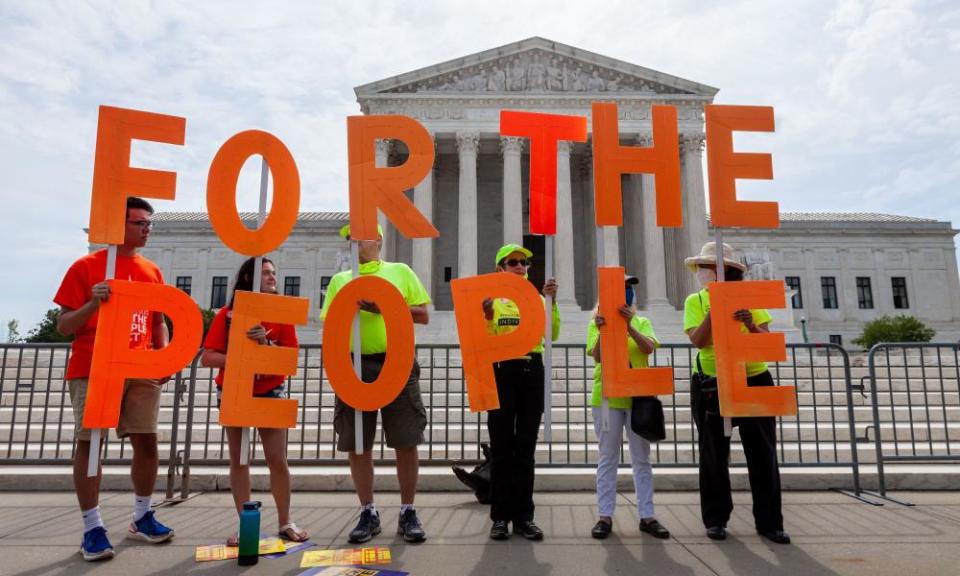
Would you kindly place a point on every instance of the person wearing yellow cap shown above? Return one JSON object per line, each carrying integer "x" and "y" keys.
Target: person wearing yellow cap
{"x": 514, "y": 426}
{"x": 404, "y": 419}
{"x": 758, "y": 434}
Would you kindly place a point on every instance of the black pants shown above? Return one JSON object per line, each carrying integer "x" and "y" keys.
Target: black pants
{"x": 513, "y": 437}
{"x": 759, "y": 438}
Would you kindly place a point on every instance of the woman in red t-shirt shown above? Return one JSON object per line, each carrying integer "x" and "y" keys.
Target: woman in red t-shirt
{"x": 273, "y": 440}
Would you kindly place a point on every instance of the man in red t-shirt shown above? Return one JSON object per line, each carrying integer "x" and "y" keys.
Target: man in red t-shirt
{"x": 83, "y": 289}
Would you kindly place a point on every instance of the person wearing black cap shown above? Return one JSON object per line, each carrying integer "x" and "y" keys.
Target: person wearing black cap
{"x": 514, "y": 426}
{"x": 641, "y": 342}
{"x": 758, "y": 434}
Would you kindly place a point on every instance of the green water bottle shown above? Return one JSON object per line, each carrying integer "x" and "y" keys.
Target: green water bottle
{"x": 249, "y": 534}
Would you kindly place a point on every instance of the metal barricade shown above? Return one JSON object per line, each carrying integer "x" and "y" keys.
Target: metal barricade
{"x": 915, "y": 398}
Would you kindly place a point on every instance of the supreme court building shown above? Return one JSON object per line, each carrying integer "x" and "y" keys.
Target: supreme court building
{"x": 841, "y": 269}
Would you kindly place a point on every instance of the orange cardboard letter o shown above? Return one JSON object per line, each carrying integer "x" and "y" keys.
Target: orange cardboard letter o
{"x": 337, "y": 340}
{"x": 222, "y": 187}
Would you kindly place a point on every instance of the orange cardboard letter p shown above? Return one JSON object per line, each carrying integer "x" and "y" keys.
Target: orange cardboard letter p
{"x": 734, "y": 348}
{"x": 113, "y": 178}
{"x": 480, "y": 349}
{"x": 113, "y": 359}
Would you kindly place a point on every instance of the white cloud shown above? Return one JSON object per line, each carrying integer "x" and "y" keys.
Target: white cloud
{"x": 866, "y": 93}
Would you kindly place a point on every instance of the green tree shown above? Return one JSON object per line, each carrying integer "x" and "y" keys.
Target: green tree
{"x": 901, "y": 328}
{"x": 46, "y": 330}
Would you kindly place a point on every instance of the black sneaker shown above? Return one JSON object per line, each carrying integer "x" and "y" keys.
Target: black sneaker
{"x": 527, "y": 529}
{"x": 500, "y": 530}
{"x": 410, "y": 528}
{"x": 367, "y": 527}
{"x": 717, "y": 533}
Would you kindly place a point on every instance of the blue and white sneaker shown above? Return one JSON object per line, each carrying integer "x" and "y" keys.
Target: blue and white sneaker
{"x": 95, "y": 545}
{"x": 149, "y": 529}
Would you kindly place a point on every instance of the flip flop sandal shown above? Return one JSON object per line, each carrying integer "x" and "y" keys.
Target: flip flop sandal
{"x": 291, "y": 528}
{"x": 233, "y": 541}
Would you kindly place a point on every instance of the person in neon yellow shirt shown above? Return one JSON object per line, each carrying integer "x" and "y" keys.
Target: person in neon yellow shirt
{"x": 404, "y": 419}
{"x": 641, "y": 342}
{"x": 514, "y": 426}
{"x": 758, "y": 434}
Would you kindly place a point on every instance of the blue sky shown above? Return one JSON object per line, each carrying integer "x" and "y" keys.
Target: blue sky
{"x": 866, "y": 93}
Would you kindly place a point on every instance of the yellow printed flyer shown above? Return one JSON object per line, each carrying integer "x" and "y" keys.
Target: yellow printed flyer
{"x": 346, "y": 556}
{"x": 223, "y": 552}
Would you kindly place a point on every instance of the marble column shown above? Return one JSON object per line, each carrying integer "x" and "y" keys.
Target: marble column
{"x": 512, "y": 147}
{"x": 388, "y": 248}
{"x": 422, "y": 261}
{"x": 590, "y": 227}
{"x": 467, "y": 148}
{"x": 694, "y": 233}
{"x": 563, "y": 243}
{"x": 655, "y": 270}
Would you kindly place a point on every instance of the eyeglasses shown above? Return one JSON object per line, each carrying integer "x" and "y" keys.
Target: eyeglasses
{"x": 515, "y": 262}
{"x": 142, "y": 224}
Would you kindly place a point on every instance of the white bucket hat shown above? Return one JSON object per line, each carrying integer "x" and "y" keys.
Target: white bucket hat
{"x": 708, "y": 255}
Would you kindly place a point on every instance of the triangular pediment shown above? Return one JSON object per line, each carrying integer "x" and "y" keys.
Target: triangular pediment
{"x": 534, "y": 66}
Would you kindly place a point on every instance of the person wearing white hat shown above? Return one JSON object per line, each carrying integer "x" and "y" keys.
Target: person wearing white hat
{"x": 641, "y": 342}
{"x": 758, "y": 434}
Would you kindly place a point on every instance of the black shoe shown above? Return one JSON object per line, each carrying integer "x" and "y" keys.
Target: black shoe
{"x": 367, "y": 527}
{"x": 528, "y": 529}
{"x": 776, "y": 536}
{"x": 601, "y": 529}
{"x": 500, "y": 530}
{"x": 717, "y": 533}
{"x": 410, "y": 528}
{"x": 654, "y": 528}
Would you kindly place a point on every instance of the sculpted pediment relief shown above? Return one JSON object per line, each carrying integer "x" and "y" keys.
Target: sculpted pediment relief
{"x": 535, "y": 71}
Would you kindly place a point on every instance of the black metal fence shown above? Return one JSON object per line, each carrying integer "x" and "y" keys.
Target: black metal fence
{"x": 36, "y": 419}
{"x": 915, "y": 400}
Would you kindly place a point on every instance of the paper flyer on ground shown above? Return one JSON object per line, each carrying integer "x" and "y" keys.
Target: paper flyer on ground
{"x": 292, "y": 548}
{"x": 350, "y": 571}
{"x": 346, "y": 556}
{"x": 224, "y": 552}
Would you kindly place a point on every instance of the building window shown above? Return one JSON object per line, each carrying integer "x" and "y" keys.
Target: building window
{"x": 864, "y": 293}
{"x": 184, "y": 283}
{"x": 828, "y": 286}
{"x": 324, "y": 282}
{"x": 218, "y": 295}
{"x": 900, "y": 300}
{"x": 836, "y": 339}
{"x": 291, "y": 286}
{"x": 793, "y": 283}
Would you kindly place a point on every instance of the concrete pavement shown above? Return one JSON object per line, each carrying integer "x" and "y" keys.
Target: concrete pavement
{"x": 832, "y": 534}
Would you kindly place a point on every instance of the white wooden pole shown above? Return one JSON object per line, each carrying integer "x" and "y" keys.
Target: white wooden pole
{"x": 357, "y": 414}
{"x": 257, "y": 283}
{"x": 548, "y": 344}
{"x": 721, "y": 273}
{"x": 604, "y": 403}
{"x": 93, "y": 458}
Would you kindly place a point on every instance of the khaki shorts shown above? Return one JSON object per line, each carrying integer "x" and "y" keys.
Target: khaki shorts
{"x": 404, "y": 419}
{"x": 138, "y": 409}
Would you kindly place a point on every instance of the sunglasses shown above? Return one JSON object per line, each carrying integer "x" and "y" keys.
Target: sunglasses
{"x": 515, "y": 262}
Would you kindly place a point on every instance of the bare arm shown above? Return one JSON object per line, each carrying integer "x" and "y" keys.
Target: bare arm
{"x": 70, "y": 320}
{"x": 213, "y": 358}
{"x": 702, "y": 335}
{"x": 161, "y": 334}
{"x": 420, "y": 314}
